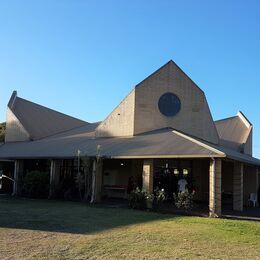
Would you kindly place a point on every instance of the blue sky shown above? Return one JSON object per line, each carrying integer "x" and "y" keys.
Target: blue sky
{"x": 83, "y": 57}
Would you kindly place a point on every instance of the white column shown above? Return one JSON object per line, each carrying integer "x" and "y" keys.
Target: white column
{"x": 148, "y": 170}
{"x": 215, "y": 170}
{"x": 238, "y": 186}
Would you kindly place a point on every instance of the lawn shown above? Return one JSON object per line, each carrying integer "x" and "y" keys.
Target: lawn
{"x": 42, "y": 229}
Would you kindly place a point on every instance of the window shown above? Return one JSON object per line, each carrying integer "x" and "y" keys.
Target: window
{"x": 169, "y": 104}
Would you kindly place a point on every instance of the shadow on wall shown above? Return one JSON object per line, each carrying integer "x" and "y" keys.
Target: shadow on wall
{"x": 68, "y": 217}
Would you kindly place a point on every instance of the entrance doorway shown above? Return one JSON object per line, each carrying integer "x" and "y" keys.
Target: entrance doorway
{"x": 168, "y": 173}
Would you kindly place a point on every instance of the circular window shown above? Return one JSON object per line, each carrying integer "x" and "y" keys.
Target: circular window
{"x": 169, "y": 104}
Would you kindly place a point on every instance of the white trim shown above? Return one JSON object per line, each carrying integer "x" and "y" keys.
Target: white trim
{"x": 244, "y": 119}
{"x": 165, "y": 156}
{"x": 200, "y": 143}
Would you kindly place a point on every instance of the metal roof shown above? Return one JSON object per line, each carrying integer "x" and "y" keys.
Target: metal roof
{"x": 157, "y": 143}
{"x": 61, "y": 136}
{"x": 164, "y": 143}
{"x": 32, "y": 115}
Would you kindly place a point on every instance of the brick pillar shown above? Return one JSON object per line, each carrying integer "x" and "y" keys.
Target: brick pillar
{"x": 148, "y": 169}
{"x": 97, "y": 179}
{"x": 238, "y": 186}
{"x": 18, "y": 171}
{"x": 54, "y": 176}
{"x": 215, "y": 188}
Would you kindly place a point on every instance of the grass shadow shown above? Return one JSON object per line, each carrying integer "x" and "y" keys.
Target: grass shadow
{"x": 69, "y": 217}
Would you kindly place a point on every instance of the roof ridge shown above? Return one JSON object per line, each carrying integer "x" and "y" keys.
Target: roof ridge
{"x": 156, "y": 131}
{"x": 195, "y": 140}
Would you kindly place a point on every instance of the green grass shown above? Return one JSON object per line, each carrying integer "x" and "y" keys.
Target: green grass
{"x": 41, "y": 229}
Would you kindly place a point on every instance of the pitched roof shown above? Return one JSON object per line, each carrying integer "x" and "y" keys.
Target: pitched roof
{"x": 154, "y": 144}
{"x": 164, "y": 143}
{"x": 40, "y": 121}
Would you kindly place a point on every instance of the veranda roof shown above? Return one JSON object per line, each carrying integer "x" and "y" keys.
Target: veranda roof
{"x": 164, "y": 143}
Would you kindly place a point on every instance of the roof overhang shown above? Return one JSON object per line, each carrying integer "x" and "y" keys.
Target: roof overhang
{"x": 164, "y": 143}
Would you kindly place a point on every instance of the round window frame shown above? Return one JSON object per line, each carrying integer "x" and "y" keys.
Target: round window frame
{"x": 168, "y": 113}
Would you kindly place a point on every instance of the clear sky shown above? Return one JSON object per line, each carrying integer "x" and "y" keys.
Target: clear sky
{"x": 83, "y": 57}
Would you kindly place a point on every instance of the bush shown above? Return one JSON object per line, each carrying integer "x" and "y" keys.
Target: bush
{"x": 149, "y": 198}
{"x": 184, "y": 200}
{"x": 141, "y": 199}
{"x": 36, "y": 184}
{"x": 138, "y": 199}
{"x": 159, "y": 197}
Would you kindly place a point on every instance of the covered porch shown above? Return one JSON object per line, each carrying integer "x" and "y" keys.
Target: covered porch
{"x": 220, "y": 184}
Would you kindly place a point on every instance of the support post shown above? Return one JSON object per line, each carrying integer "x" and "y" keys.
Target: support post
{"x": 18, "y": 171}
{"x": 148, "y": 170}
{"x": 257, "y": 186}
{"x": 238, "y": 186}
{"x": 97, "y": 178}
{"x": 215, "y": 170}
{"x": 54, "y": 177}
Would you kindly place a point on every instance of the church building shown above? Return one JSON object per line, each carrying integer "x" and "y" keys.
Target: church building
{"x": 161, "y": 131}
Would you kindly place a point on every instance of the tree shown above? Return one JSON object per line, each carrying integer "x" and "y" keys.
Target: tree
{"x": 2, "y": 131}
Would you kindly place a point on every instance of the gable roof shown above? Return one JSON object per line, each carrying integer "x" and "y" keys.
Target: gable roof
{"x": 40, "y": 121}
{"x": 228, "y": 152}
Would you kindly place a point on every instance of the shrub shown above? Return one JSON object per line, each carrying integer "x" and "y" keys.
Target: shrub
{"x": 159, "y": 197}
{"x": 36, "y": 184}
{"x": 137, "y": 199}
{"x": 184, "y": 200}
{"x": 149, "y": 198}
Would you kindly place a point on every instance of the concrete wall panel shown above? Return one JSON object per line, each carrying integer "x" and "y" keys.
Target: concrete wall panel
{"x": 194, "y": 117}
{"x": 121, "y": 121}
{"x": 15, "y": 132}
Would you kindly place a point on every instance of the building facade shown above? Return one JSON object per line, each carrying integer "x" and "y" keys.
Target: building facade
{"x": 162, "y": 130}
